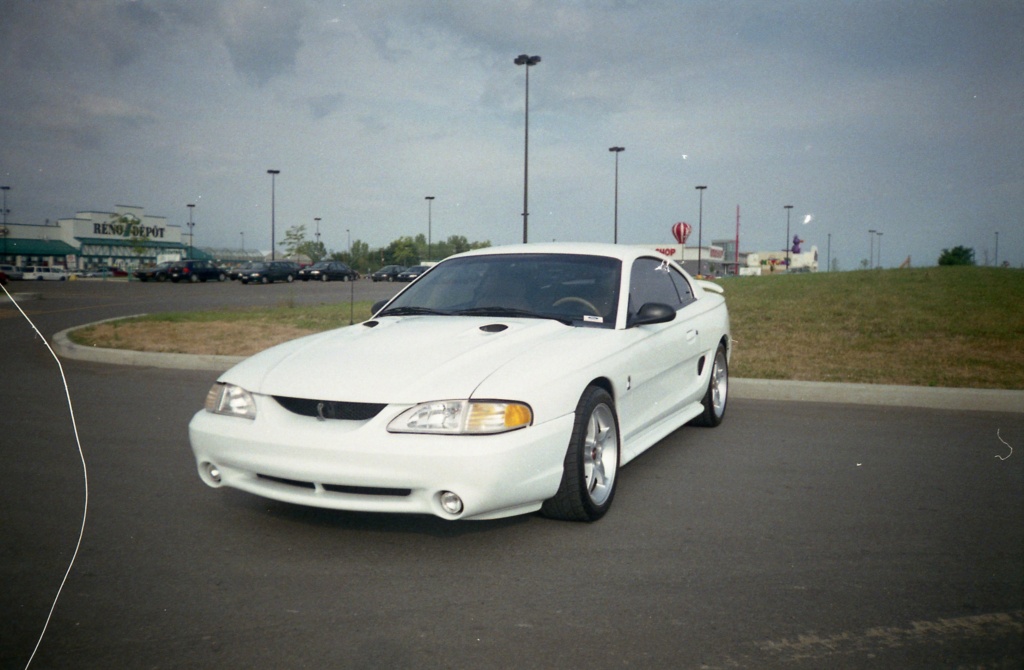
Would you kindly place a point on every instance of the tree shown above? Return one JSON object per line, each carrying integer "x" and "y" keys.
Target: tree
{"x": 294, "y": 238}
{"x": 315, "y": 250}
{"x": 959, "y": 255}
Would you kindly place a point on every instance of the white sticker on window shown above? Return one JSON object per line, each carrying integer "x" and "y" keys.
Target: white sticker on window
{"x": 593, "y": 319}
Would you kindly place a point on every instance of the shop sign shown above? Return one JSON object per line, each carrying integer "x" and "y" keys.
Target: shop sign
{"x": 127, "y": 230}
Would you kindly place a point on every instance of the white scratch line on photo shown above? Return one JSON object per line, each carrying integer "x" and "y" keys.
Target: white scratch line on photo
{"x": 85, "y": 476}
{"x": 1003, "y": 458}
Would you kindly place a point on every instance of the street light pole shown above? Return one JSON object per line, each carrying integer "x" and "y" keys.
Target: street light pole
{"x": 871, "y": 248}
{"x": 616, "y": 151}
{"x": 523, "y": 59}
{"x": 430, "y": 203}
{"x": 273, "y": 176}
{"x": 789, "y": 209}
{"x": 317, "y": 220}
{"x": 5, "y": 190}
{"x": 191, "y": 224}
{"x": 700, "y": 228}
{"x": 879, "y": 233}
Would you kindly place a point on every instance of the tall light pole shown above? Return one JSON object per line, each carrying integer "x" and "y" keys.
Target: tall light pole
{"x": 316, "y": 219}
{"x": 430, "y": 203}
{"x": 616, "y": 151}
{"x": 523, "y": 59}
{"x": 243, "y": 239}
{"x": 700, "y": 226}
{"x": 191, "y": 224}
{"x": 997, "y": 248}
{"x": 5, "y": 190}
{"x": 879, "y": 233}
{"x": 828, "y": 267}
{"x": 871, "y": 248}
{"x": 273, "y": 176}
{"x": 789, "y": 209}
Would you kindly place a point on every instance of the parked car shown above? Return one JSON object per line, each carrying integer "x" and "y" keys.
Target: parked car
{"x": 41, "y": 273}
{"x": 270, "y": 271}
{"x": 236, "y": 272}
{"x": 107, "y": 271}
{"x": 196, "y": 271}
{"x": 387, "y": 273}
{"x": 13, "y": 272}
{"x": 158, "y": 272}
{"x": 503, "y": 381}
{"x": 409, "y": 274}
{"x": 3, "y": 278}
{"x": 328, "y": 271}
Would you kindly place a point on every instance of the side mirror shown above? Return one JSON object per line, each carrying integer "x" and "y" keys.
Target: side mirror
{"x": 653, "y": 312}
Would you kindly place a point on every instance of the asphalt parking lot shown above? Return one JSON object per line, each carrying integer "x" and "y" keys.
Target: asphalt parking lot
{"x": 797, "y": 534}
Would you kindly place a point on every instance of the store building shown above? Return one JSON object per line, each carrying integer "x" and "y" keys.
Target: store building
{"x": 124, "y": 238}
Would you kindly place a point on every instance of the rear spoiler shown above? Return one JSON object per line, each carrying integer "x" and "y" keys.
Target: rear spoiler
{"x": 710, "y": 286}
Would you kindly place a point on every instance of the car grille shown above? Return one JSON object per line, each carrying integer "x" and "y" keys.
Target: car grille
{"x": 330, "y": 409}
{"x": 340, "y": 488}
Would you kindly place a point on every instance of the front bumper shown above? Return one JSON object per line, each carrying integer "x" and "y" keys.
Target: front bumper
{"x": 359, "y": 466}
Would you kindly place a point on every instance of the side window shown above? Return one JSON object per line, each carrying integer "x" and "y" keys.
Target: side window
{"x": 682, "y": 286}
{"x": 650, "y": 282}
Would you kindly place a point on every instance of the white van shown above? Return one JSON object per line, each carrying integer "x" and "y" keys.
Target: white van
{"x": 41, "y": 273}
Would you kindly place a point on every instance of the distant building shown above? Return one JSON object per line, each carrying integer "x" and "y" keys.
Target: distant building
{"x": 122, "y": 238}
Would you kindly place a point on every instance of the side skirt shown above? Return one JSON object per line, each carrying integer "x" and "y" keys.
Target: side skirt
{"x": 659, "y": 431}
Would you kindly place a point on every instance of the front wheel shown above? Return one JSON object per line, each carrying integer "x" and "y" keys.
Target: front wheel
{"x": 591, "y": 462}
{"x": 717, "y": 394}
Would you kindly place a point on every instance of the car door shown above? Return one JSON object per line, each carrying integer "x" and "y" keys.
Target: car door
{"x": 663, "y": 356}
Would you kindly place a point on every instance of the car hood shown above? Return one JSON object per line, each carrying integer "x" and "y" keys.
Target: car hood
{"x": 400, "y": 360}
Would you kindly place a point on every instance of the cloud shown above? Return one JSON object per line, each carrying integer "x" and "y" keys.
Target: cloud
{"x": 262, "y": 38}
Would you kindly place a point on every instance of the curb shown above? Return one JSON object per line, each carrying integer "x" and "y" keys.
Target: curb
{"x": 986, "y": 400}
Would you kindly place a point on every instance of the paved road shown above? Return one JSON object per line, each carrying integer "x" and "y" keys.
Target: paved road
{"x": 801, "y": 535}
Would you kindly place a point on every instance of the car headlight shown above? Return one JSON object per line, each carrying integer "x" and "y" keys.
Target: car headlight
{"x": 230, "y": 400}
{"x": 463, "y": 417}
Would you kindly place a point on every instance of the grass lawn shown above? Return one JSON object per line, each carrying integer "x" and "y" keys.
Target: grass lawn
{"x": 940, "y": 326}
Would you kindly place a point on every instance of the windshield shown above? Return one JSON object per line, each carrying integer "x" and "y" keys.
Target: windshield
{"x": 574, "y": 289}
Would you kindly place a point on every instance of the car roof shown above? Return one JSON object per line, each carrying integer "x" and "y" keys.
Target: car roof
{"x": 624, "y": 252}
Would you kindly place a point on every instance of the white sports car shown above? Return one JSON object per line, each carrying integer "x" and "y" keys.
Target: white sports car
{"x": 502, "y": 381}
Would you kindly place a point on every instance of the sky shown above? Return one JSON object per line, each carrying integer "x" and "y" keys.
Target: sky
{"x": 904, "y": 117}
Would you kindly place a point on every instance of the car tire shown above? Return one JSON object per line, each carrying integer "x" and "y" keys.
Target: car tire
{"x": 325, "y": 278}
{"x": 591, "y": 465}
{"x": 717, "y": 394}
{"x": 193, "y": 279}
{"x": 222, "y": 277}
{"x": 290, "y": 279}
{"x": 265, "y": 279}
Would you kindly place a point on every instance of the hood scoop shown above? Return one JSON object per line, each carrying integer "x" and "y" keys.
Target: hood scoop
{"x": 494, "y": 327}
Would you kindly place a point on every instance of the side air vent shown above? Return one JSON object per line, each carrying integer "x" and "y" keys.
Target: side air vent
{"x": 330, "y": 409}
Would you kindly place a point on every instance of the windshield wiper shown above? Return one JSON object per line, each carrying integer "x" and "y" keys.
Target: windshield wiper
{"x": 409, "y": 311}
{"x": 510, "y": 312}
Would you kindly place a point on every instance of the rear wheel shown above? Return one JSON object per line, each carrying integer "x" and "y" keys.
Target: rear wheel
{"x": 718, "y": 392}
{"x": 591, "y": 462}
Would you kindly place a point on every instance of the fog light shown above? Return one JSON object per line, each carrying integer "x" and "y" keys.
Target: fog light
{"x": 451, "y": 502}
{"x": 211, "y": 474}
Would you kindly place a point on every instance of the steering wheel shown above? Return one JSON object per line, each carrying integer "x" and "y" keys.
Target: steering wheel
{"x": 572, "y": 298}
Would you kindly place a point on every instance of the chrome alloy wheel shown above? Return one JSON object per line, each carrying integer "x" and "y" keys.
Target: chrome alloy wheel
{"x": 600, "y": 454}
{"x": 719, "y": 383}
